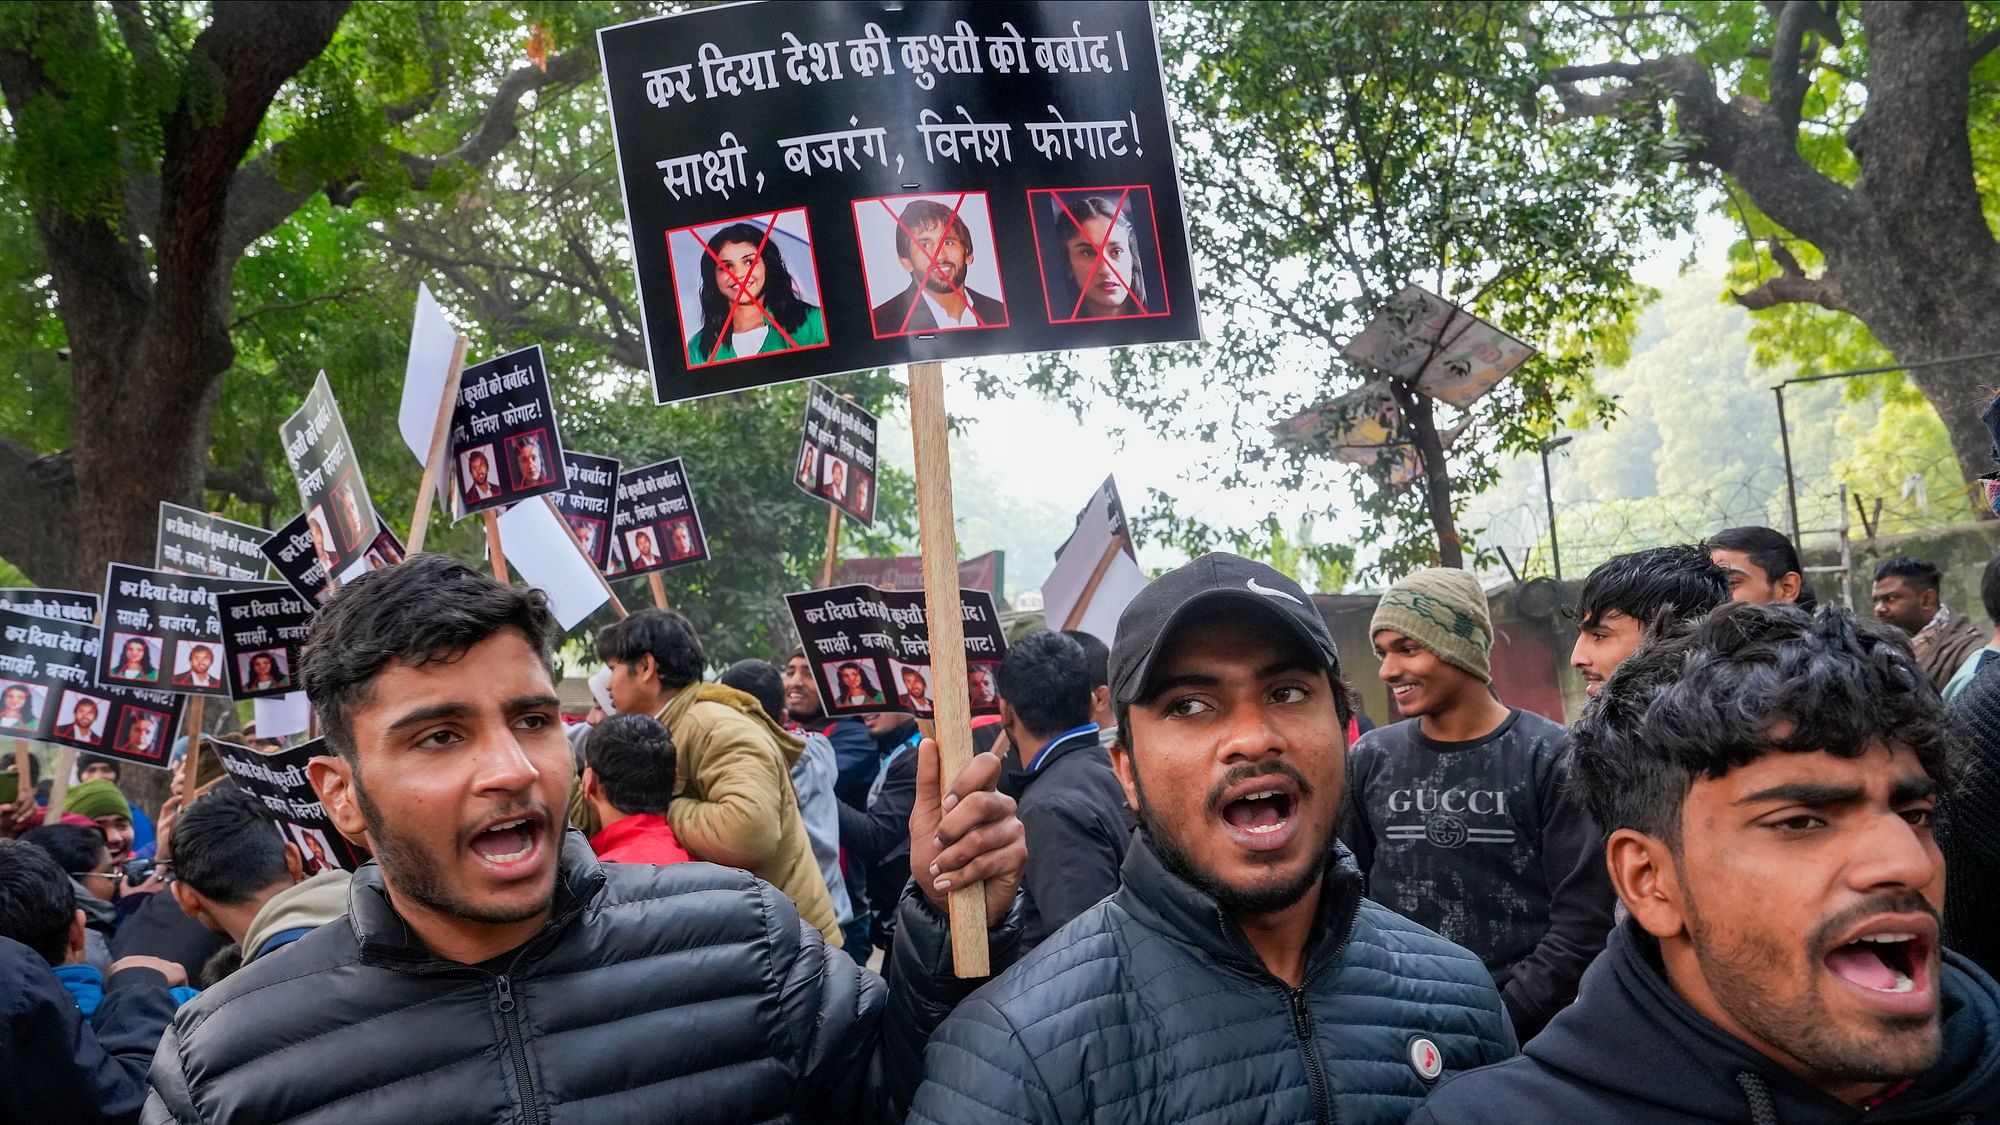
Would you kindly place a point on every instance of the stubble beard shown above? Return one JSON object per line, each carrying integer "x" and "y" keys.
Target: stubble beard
{"x": 417, "y": 876}
{"x": 1237, "y": 901}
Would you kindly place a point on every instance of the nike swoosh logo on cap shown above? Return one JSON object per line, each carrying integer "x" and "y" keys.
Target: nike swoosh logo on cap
{"x": 1270, "y": 593}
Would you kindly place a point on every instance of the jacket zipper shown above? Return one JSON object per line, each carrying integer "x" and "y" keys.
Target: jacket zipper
{"x": 517, "y": 1051}
{"x": 1303, "y": 1028}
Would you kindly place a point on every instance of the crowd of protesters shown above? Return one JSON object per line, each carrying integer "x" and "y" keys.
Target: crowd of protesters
{"x": 1215, "y": 891}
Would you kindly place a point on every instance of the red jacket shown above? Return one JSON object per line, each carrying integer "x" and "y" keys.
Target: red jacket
{"x": 641, "y": 838}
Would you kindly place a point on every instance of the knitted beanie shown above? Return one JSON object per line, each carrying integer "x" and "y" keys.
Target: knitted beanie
{"x": 95, "y": 798}
{"x": 1445, "y": 611}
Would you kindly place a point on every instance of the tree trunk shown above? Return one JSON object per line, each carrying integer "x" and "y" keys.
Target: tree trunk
{"x": 1422, "y": 420}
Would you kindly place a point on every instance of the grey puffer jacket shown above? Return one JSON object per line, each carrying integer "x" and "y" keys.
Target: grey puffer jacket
{"x": 1151, "y": 1007}
{"x": 686, "y": 993}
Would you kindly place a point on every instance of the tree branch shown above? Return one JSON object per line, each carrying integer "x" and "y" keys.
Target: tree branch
{"x": 1793, "y": 289}
{"x": 1788, "y": 81}
{"x": 499, "y": 126}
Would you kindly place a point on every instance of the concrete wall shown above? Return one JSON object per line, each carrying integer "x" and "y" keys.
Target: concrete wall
{"x": 1960, "y": 553}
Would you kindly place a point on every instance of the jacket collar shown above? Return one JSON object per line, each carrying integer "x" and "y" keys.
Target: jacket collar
{"x": 385, "y": 938}
{"x": 1055, "y": 750}
{"x": 1171, "y": 904}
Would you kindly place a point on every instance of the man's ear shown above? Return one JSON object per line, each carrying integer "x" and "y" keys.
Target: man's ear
{"x": 1644, "y": 875}
{"x": 1787, "y": 588}
{"x": 647, "y": 668}
{"x": 593, "y": 790}
{"x": 1100, "y": 699}
{"x": 1007, "y": 717}
{"x": 1121, "y": 764}
{"x": 74, "y": 948}
{"x": 295, "y": 864}
{"x": 186, "y": 898}
{"x": 333, "y": 779}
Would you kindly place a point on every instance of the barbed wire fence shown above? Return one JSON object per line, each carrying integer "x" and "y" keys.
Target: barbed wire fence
{"x": 1864, "y": 499}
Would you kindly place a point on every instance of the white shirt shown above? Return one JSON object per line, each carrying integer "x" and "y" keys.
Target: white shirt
{"x": 968, "y": 320}
{"x": 747, "y": 343}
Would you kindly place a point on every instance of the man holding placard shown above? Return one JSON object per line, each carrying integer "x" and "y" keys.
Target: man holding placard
{"x": 491, "y": 970}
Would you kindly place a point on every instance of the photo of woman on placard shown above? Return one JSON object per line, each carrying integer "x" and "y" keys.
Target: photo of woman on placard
{"x": 17, "y": 708}
{"x": 750, "y": 304}
{"x": 1098, "y": 248}
{"x": 854, "y": 685}
{"x": 137, "y": 659}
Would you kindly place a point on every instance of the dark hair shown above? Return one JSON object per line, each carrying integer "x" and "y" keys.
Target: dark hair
{"x": 1705, "y": 698}
{"x": 761, "y": 680}
{"x": 662, "y": 634}
{"x": 85, "y": 761}
{"x": 1989, "y": 589}
{"x": 428, "y": 609}
{"x": 1769, "y": 551}
{"x": 28, "y": 713}
{"x": 78, "y": 849}
{"x": 929, "y": 213}
{"x": 1045, "y": 679}
{"x": 633, "y": 758}
{"x": 1915, "y": 573}
{"x": 145, "y": 654}
{"x": 1065, "y": 228}
{"x": 1653, "y": 585}
{"x": 227, "y": 848}
{"x": 1096, "y": 658}
{"x": 37, "y": 902}
{"x": 781, "y": 299}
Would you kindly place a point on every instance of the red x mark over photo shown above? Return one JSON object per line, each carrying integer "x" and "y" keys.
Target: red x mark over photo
{"x": 1097, "y": 248}
{"x": 932, "y": 264}
{"x": 743, "y": 294}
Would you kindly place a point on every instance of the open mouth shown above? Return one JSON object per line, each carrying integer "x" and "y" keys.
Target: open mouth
{"x": 1888, "y": 968}
{"x": 511, "y": 843}
{"x": 1402, "y": 691}
{"x": 1260, "y": 815}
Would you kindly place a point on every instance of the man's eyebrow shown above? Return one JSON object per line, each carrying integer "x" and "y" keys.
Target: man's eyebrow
{"x": 1913, "y": 789}
{"x": 1187, "y": 679}
{"x": 430, "y": 714}
{"x": 536, "y": 702}
{"x": 1804, "y": 793}
{"x": 1300, "y": 663}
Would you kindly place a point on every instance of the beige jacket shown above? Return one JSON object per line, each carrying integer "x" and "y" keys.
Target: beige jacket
{"x": 733, "y": 798}
{"x": 313, "y": 902}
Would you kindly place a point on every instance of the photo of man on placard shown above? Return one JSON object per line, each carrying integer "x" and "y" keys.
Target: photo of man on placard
{"x": 142, "y": 734}
{"x": 529, "y": 455}
{"x": 587, "y": 531}
{"x": 80, "y": 718}
{"x": 915, "y": 680}
{"x": 979, "y": 684}
{"x": 194, "y": 666}
{"x": 833, "y": 478}
{"x": 475, "y": 475}
{"x": 645, "y": 553}
{"x": 680, "y": 539}
{"x": 938, "y": 243}
{"x": 315, "y": 852}
{"x": 863, "y": 501}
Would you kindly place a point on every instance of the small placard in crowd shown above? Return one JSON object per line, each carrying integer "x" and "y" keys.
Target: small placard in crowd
{"x": 870, "y": 649}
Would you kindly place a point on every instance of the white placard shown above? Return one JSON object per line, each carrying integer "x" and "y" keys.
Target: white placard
{"x": 431, "y": 341}
{"x": 540, "y": 550}
{"x": 280, "y": 715}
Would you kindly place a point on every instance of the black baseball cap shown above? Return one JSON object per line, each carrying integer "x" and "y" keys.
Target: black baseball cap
{"x": 1214, "y": 577}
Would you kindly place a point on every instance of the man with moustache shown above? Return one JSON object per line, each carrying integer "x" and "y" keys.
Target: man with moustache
{"x": 935, "y": 246}
{"x": 1237, "y": 975}
{"x": 489, "y": 969}
{"x": 1629, "y": 594}
{"x": 1769, "y": 781}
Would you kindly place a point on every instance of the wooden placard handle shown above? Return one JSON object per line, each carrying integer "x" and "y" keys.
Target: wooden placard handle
{"x": 938, "y": 536}
{"x": 493, "y": 551}
{"x": 434, "y": 466}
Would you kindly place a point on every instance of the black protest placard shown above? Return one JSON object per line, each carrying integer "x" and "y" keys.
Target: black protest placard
{"x": 63, "y": 605}
{"x": 48, "y": 693}
{"x": 338, "y": 514}
{"x": 279, "y": 780}
{"x": 191, "y": 542}
{"x": 162, "y": 631}
{"x": 837, "y": 454}
{"x": 657, "y": 523}
{"x": 870, "y": 649}
{"x": 590, "y": 502}
{"x": 814, "y": 188}
{"x": 504, "y": 443}
{"x": 262, "y": 632}
{"x": 290, "y": 551}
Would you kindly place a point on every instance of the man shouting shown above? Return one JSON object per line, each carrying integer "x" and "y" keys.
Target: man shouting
{"x": 490, "y": 970}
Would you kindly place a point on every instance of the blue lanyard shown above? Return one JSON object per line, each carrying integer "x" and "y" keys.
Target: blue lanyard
{"x": 1087, "y": 728}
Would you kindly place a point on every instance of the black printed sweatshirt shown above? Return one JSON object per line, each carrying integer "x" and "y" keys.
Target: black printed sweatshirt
{"x": 1478, "y": 841}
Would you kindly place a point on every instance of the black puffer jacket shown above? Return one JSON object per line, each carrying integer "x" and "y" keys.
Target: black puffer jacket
{"x": 687, "y": 993}
{"x": 1631, "y": 1050}
{"x": 1151, "y": 1007}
